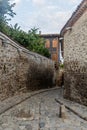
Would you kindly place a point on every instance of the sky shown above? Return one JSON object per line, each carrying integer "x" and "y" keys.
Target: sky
{"x": 47, "y": 15}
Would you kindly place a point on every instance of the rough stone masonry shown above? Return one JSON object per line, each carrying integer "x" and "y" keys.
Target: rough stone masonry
{"x": 75, "y": 55}
{"x": 14, "y": 65}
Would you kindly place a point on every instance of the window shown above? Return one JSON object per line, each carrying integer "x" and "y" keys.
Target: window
{"x": 54, "y": 57}
{"x": 47, "y": 44}
{"x": 55, "y": 43}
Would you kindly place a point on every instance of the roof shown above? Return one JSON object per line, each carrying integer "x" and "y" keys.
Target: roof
{"x": 75, "y": 16}
{"x": 49, "y": 35}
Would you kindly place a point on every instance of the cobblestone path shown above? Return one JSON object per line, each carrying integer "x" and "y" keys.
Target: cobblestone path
{"x": 40, "y": 112}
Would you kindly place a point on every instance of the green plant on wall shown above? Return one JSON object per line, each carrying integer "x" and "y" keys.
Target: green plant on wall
{"x": 61, "y": 65}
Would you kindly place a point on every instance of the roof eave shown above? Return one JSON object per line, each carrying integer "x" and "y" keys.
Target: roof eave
{"x": 75, "y": 16}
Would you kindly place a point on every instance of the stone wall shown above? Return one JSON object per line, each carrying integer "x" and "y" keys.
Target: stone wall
{"x": 14, "y": 65}
{"x": 75, "y": 54}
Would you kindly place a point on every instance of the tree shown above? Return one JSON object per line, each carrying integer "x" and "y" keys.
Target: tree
{"x": 30, "y": 40}
{"x": 5, "y": 11}
{"x": 37, "y": 43}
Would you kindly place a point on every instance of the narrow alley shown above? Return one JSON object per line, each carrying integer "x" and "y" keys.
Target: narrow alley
{"x": 41, "y": 112}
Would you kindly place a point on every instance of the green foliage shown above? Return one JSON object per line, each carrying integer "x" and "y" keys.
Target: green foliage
{"x": 30, "y": 40}
{"x": 37, "y": 43}
{"x": 61, "y": 65}
{"x": 6, "y": 10}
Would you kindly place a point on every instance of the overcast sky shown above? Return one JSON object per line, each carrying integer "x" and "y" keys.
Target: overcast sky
{"x": 47, "y": 15}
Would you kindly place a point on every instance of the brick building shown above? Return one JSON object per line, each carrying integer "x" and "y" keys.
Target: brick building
{"x": 75, "y": 55}
{"x": 52, "y": 44}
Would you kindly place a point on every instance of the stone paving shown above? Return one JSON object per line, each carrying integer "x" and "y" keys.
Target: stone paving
{"x": 40, "y": 112}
